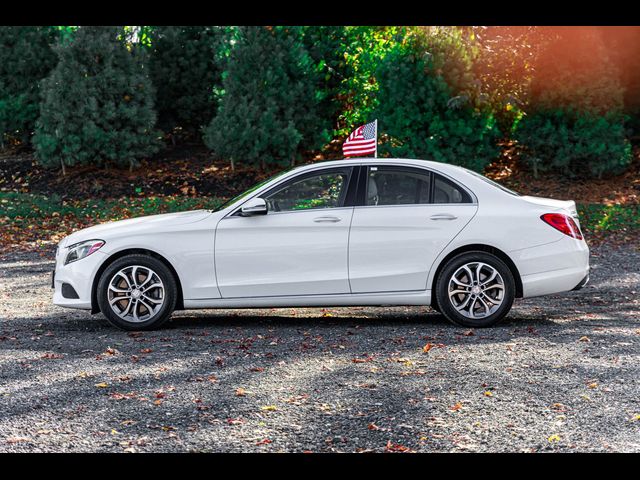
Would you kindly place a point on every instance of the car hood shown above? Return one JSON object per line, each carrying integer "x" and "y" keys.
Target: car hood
{"x": 135, "y": 225}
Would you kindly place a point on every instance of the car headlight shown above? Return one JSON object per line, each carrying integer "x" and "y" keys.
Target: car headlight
{"x": 78, "y": 251}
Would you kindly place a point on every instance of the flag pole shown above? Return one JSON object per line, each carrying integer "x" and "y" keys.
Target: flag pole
{"x": 376, "y": 154}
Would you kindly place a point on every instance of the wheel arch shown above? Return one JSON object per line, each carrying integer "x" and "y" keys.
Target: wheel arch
{"x": 130, "y": 251}
{"x": 483, "y": 248}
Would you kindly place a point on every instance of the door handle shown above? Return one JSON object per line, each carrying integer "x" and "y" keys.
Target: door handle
{"x": 327, "y": 219}
{"x": 443, "y": 216}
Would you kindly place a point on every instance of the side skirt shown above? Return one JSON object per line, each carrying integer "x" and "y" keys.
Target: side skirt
{"x": 422, "y": 297}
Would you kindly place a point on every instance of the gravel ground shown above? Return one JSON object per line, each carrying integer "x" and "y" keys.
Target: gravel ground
{"x": 562, "y": 374}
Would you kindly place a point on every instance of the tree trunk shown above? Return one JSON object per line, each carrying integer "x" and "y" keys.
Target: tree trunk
{"x": 233, "y": 166}
{"x": 64, "y": 169}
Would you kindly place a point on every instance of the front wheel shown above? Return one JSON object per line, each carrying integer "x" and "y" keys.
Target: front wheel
{"x": 137, "y": 292}
{"x": 475, "y": 289}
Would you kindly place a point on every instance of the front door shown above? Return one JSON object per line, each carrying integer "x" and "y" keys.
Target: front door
{"x": 300, "y": 247}
{"x": 408, "y": 217}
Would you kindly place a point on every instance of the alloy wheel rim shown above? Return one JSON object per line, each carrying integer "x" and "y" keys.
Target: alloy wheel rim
{"x": 476, "y": 290}
{"x": 136, "y": 293}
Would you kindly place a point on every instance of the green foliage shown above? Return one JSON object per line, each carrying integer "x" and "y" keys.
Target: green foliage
{"x": 269, "y": 112}
{"x": 608, "y": 218}
{"x": 25, "y": 208}
{"x": 574, "y": 122}
{"x": 364, "y": 48}
{"x": 326, "y": 45}
{"x": 574, "y": 143}
{"x": 418, "y": 111}
{"x": 504, "y": 68}
{"x": 97, "y": 104}
{"x": 186, "y": 65}
{"x": 25, "y": 58}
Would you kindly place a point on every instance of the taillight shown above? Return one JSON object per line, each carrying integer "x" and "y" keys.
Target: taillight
{"x": 564, "y": 223}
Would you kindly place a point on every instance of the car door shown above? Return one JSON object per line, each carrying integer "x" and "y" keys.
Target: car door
{"x": 404, "y": 218}
{"x": 299, "y": 247}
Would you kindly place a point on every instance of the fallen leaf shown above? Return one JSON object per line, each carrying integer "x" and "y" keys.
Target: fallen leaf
{"x": 17, "y": 439}
{"x": 102, "y": 385}
{"x": 362, "y": 360}
{"x": 269, "y": 408}
{"x": 391, "y": 447}
{"x": 427, "y": 347}
{"x": 240, "y": 392}
{"x": 554, "y": 438}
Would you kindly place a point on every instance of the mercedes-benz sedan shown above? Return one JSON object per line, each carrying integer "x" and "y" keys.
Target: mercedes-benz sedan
{"x": 340, "y": 233}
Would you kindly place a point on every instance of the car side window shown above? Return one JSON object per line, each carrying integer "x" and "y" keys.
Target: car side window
{"x": 446, "y": 191}
{"x": 325, "y": 189}
{"x": 397, "y": 186}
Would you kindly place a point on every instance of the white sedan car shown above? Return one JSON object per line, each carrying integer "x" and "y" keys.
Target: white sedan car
{"x": 339, "y": 233}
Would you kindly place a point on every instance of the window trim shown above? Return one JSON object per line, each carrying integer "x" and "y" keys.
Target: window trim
{"x": 363, "y": 185}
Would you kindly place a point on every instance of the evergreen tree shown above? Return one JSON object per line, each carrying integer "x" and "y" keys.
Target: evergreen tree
{"x": 269, "y": 112}
{"x": 422, "y": 117}
{"x": 26, "y": 57}
{"x": 97, "y": 104}
{"x": 186, "y": 65}
{"x": 327, "y": 46}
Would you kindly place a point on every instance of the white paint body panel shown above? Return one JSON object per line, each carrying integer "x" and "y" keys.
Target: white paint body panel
{"x": 283, "y": 254}
{"x": 375, "y": 255}
{"x": 392, "y": 248}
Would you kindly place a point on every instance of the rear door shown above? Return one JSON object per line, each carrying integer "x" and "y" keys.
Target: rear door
{"x": 405, "y": 216}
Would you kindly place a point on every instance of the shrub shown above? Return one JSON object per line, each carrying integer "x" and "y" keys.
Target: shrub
{"x": 574, "y": 143}
{"x": 269, "y": 111}
{"x": 26, "y": 57}
{"x": 574, "y": 122}
{"x": 423, "y": 118}
{"x": 97, "y": 104}
{"x": 185, "y": 66}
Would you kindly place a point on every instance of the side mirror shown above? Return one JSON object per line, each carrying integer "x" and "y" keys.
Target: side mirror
{"x": 255, "y": 206}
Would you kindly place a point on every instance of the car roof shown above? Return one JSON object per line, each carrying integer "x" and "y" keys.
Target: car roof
{"x": 444, "y": 167}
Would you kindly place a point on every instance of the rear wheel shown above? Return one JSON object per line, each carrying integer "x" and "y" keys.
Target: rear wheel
{"x": 137, "y": 292}
{"x": 475, "y": 289}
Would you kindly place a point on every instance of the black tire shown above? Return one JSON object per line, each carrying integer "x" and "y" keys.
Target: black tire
{"x": 170, "y": 292}
{"x": 434, "y": 305}
{"x": 445, "y": 303}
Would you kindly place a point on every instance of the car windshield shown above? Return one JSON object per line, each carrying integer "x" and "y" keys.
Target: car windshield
{"x": 495, "y": 184}
{"x": 250, "y": 191}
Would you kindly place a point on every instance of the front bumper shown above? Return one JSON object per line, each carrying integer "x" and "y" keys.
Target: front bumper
{"x": 79, "y": 276}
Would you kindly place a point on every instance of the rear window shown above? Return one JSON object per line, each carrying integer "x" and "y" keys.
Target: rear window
{"x": 446, "y": 191}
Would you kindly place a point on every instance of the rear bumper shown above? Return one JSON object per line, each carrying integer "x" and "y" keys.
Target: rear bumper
{"x": 582, "y": 283}
{"x": 557, "y": 267}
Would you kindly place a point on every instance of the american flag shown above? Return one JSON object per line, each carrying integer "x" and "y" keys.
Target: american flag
{"x": 362, "y": 140}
